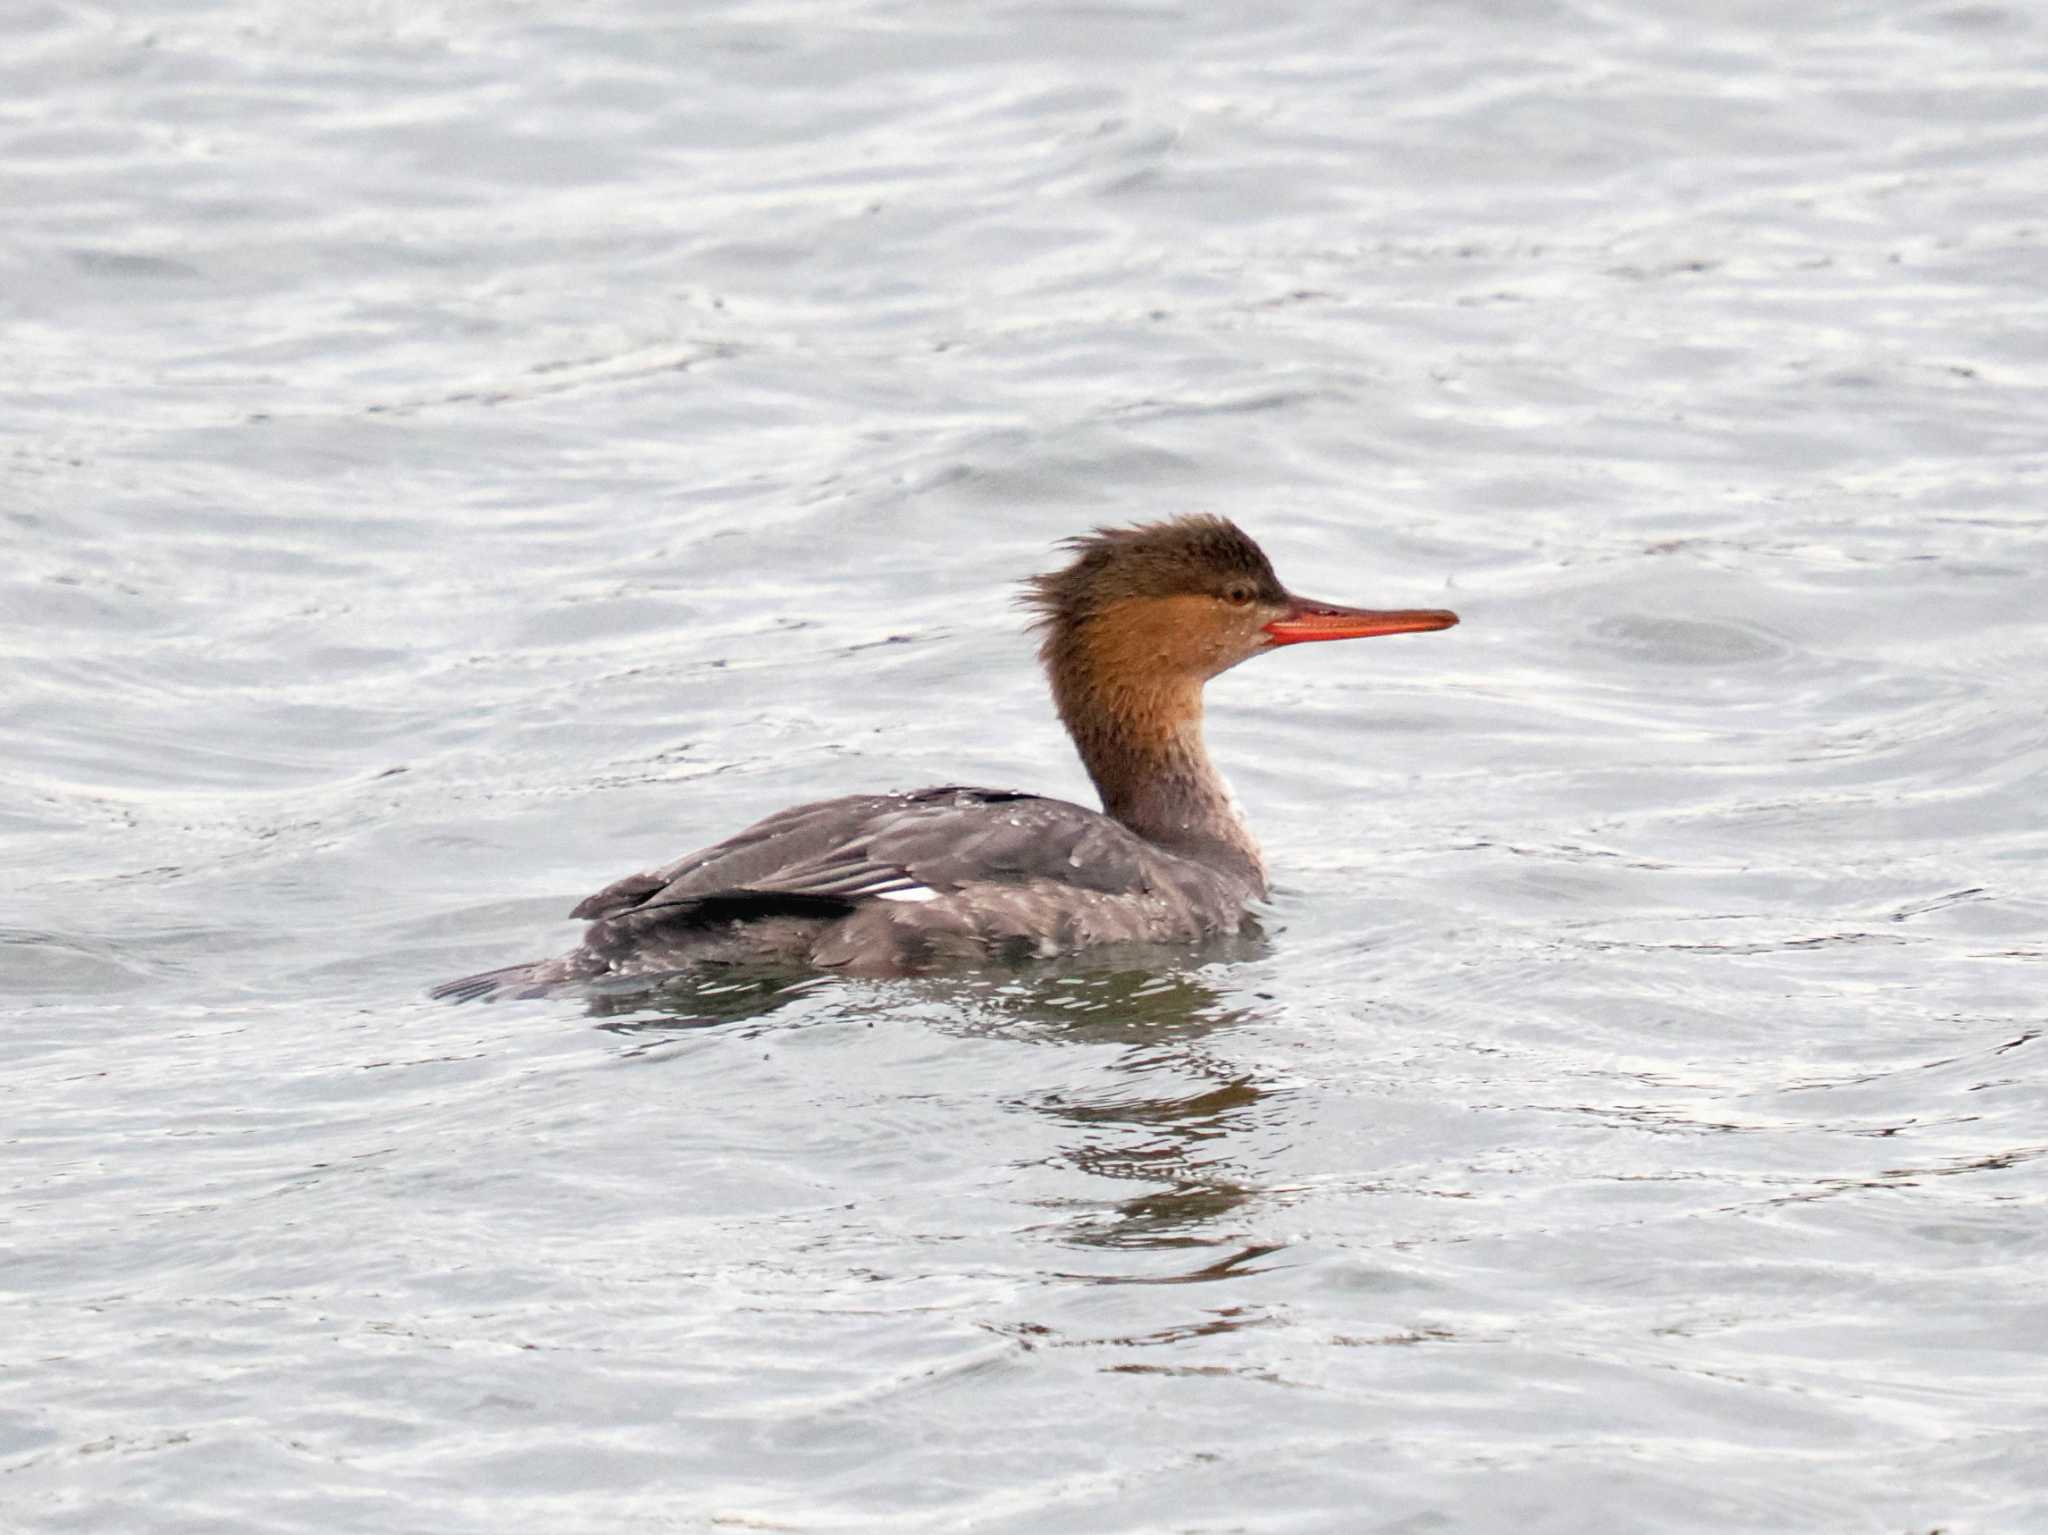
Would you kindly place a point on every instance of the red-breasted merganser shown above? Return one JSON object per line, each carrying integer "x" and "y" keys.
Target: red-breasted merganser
{"x": 898, "y": 884}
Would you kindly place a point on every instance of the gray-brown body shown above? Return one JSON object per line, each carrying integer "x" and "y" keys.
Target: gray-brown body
{"x": 896, "y": 884}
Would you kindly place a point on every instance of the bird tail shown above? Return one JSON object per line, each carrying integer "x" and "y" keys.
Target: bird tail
{"x": 491, "y": 983}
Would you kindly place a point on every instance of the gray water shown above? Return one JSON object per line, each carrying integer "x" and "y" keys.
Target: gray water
{"x": 455, "y": 455}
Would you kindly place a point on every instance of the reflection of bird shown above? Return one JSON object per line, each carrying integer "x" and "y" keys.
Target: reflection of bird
{"x": 892, "y": 884}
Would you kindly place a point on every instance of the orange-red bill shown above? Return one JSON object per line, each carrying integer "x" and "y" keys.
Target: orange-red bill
{"x": 1306, "y": 619}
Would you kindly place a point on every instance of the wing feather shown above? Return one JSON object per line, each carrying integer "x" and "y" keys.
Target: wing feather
{"x": 874, "y": 845}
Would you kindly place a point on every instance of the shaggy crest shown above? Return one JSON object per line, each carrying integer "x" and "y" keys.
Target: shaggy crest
{"x": 1185, "y": 556}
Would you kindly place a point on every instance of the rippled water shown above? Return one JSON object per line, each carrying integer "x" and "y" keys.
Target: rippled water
{"x": 456, "y": 455}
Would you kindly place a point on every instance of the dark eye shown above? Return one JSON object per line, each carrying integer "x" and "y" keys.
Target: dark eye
{"x": 1238, "y": 596}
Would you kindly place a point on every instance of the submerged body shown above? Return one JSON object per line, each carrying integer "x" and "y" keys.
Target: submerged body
{"x": 896, "y": 884}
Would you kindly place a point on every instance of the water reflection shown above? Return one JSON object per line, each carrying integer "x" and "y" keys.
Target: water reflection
{"x": 1167, "y": 1115}
{"x": 649, "y": 1017}
{"x": 1171, "y": 1116}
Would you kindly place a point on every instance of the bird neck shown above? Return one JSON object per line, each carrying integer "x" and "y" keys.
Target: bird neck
{"x": 1141, "y": 741}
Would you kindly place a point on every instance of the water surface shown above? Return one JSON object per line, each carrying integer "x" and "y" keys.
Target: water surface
{"x": 454, "y": 456}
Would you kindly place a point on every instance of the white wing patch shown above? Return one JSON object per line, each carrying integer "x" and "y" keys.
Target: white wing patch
{"x": 913, "y": 893}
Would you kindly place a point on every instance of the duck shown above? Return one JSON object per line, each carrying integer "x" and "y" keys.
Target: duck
{"x": 1131, "y": 628}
